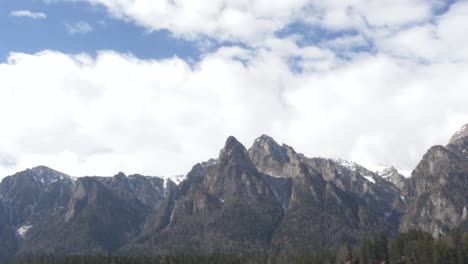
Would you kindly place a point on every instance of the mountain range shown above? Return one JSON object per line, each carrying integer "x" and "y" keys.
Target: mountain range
{"x": 267, "y": 198}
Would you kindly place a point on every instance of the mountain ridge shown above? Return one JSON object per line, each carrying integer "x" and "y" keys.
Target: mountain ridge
{"x": 267, "y": 197}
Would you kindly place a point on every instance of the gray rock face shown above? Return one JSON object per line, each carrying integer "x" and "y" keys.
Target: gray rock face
{"x": 96, "y": 220}
{"x": 437, "y": 192}
{"x": 32, "y": 191}
{"x": 27, "y": 198}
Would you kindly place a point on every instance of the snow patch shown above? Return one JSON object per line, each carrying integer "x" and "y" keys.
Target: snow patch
{"x": 74, "y": 179}
{"x": 275, "y": 175}
{"x": 353, "y": 166}
{"x": 23, "y": 230}
{"x": 461, "y": 130}
{"x": 369, "y": 178}
{"x": 378, "y": 169}
{"x": 385, "y": 171}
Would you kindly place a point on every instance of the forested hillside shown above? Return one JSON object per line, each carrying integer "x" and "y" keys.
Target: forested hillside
{"x": 407, "y": 248}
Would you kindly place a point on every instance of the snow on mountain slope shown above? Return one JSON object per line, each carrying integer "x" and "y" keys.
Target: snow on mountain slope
{"x": 23, "y": 230}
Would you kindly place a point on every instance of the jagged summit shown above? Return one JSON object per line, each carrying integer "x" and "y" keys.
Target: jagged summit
{"x": 460, "y": 134}
{"x": 266, "y": 147}
{"x": 120, "y": 175}
{"x": 244, "y": 201}
{"x": 232, "y": 144}
{"x": 41, "y": 168}
{"x": 436, "y": 191}
{"x": 234, "y": 150}
{"x": 393, "y": 175}
{"x": 265, "y": 139}
{"x": 44, "y": 175}
{"x": 459, "y": 142}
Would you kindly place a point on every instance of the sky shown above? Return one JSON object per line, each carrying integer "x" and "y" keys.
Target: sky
{"x": 93, "y": 87}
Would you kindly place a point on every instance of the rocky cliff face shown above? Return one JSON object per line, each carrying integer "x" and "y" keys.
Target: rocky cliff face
{"x": 268, "y": 197}
{"x": 437, "y": 192}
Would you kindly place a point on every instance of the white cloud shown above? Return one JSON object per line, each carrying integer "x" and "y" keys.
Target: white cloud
{"x": 362, "y": 13}
{"x": 79, "y": 27}
{"x": 97, "y": 116}
{"x": 252, "y": 21}
{"x": 246, "y": 21}
{"x": 441, "y": 40}
{"x": 28, "y": 14}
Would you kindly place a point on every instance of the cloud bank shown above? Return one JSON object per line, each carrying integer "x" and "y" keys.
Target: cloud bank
{"x": 387, "y": 82}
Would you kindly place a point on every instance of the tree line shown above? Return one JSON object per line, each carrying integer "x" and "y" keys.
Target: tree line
{"x": 413, "y": 247}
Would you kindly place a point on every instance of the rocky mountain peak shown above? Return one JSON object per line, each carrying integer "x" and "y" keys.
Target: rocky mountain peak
{"x": 120, "y": 175}
{"x": 267, "y": 146}
{"x": 271, "y": 158}
{"x": 46, "y": 174}
{"x": 460, "y": 134}
{"x": 231, "y": 142}
{"x": 436, "y": 191}
{"x": 459, "y": 142}
{"x": 391, "y": 174}
{"x": 267, "y": 197}
{"x": 41, "y": 169}
{"x": 265, "y": 138}
{"x": 234, "y": 151}
{"x": 388, "y": 171}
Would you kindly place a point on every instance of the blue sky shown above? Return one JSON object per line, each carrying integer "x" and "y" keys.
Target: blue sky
{"x": 155, "y": 86}
{"x": 22, "y": 34}
{"x": 128, "y": 35}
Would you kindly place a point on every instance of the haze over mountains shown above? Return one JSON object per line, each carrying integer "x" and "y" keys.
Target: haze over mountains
{"x": 265, "y": 198}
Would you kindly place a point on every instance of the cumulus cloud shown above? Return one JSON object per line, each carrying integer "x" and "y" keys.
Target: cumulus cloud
{"x": 28, "y": 14}
{"x": 79, "y": 27}
{"x": 85, "y": 115}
